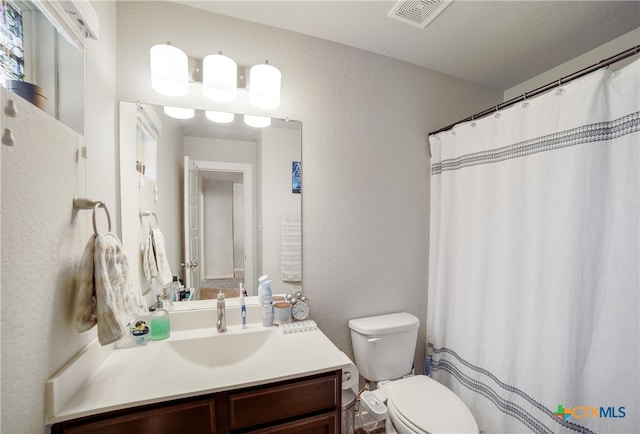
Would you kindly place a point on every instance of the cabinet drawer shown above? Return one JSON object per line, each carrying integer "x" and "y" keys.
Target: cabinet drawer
{"x": 291, "y": 399}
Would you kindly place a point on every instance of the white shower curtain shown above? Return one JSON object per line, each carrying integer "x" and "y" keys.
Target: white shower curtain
{"x": 534, "y": 258}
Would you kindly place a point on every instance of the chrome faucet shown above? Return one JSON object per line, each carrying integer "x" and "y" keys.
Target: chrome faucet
{"x": 222, "y": 320}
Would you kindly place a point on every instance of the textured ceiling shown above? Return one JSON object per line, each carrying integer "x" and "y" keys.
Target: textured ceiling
{"x": 497, "y": 44}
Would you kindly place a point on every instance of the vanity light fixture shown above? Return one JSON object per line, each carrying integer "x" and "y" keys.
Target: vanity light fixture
{"x": 169, "y": 70}
{"x": 257, "y": 121}
{"x": 220, "y": 117}
{"x": 179, "y": 112}
{"x": 264, "y": 86}
{"x": 219, "y": 78}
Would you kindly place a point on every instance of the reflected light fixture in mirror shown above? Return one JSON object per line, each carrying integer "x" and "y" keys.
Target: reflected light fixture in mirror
{"x": 220, "y": 117}
{"x": 219, "y": 78}
{"x": 257, "y": 121}
{"x": 169, "y": 70}
{"x": 179, "y": 112}
{"x": 264, "y": 86}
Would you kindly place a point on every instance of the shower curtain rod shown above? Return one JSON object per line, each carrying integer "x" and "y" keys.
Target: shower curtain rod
{"x": 564, "y": 80}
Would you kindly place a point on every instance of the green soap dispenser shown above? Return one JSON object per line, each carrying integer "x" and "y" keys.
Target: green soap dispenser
{"x": 160, "y": 321}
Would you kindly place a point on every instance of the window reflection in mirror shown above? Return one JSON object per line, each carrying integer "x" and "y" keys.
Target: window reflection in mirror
{"x": 243, "y": 188}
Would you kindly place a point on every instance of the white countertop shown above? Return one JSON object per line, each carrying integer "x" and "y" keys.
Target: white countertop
{"x": 130, "y": 377}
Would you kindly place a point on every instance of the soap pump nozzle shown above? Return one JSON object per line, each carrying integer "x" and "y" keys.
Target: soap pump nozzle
{"x": 158, "y": 304}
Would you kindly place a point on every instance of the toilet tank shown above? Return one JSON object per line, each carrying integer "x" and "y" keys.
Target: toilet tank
{"x": 384, "y": 345}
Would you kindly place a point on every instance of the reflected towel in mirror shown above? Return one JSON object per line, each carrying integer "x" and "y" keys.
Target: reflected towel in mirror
{"x": 154, "y": 258}
{"x": 291, "y": 254}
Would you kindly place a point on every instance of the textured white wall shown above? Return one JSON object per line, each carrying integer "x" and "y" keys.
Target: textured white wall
{"x": 624, "y": 42}
{"x": 366, "y": 165}
{"x": 42, "y": 239}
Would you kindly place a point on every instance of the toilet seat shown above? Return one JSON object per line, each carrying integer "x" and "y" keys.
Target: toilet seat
{"x": 421, "y": 405}
{"x": 400, "y": 425}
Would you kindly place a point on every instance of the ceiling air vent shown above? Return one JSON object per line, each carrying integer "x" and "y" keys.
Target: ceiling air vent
{"x": 418, "y": 12}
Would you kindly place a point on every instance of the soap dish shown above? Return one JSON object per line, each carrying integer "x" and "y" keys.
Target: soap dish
{"x": 298, "y": 327}
{"x": 138, "y": 336}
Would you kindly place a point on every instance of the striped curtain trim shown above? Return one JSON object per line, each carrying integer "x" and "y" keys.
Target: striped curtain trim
{"x": 596, "y": 132}
{"x": 486, "y": 389}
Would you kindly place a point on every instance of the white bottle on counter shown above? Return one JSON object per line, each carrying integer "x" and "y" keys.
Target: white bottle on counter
{"x": 265, "y": 297}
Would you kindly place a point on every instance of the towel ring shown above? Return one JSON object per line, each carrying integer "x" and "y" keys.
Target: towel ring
{"x": 84, "y": 203}
{"x": 143, "y": 213}
{"x": 106, "y": 211}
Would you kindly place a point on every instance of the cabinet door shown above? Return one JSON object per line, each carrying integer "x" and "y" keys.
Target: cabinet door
{"x": 323, "y": 424}
{"x": 193, "y": 418}
{"x": 292, "y": 399}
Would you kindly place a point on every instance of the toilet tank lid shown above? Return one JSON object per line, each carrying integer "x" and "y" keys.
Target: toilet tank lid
{"x": 384, "y": 324}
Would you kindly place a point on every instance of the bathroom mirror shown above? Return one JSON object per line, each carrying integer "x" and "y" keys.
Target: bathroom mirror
{"x": 222, "y": 195}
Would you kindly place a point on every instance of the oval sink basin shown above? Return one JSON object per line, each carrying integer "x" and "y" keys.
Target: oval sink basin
{"x": 224, "y": 349}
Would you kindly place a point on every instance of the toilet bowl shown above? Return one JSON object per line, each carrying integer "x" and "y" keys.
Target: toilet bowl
{"x": 420, "y": 404}
{"x": 384, "y": 347}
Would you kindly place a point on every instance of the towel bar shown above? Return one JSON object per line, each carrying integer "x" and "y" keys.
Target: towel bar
{"x": 81, "y": 203}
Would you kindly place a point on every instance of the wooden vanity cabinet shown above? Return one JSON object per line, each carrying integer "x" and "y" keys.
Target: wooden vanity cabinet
{"x": 308, "y": 405}
{"x": 186, "y": 417}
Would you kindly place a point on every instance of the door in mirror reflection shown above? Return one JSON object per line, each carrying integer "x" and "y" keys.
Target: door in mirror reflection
{"x": 191, "y": 225}
{"x": 219, "y": 211}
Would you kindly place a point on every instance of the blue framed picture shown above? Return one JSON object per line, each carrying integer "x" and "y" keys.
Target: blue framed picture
{"x": 296, "y": 180}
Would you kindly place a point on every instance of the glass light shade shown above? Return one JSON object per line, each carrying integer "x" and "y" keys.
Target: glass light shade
{"x": 219, "y": 78}
{"x": 257, "y": 121}
{"x": 179, "y": 112}
{"x": 264, "y": 86}
{"x": 169, "y": 70}
{"x": 220, "y": 117}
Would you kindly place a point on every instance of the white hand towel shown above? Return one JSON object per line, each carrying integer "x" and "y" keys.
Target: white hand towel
{"x": 85, "y": 302}
{"x": 291, "y": 254}
{"x": 114, "y": 301}
{"x": 148, "y": 259}
{"x": 162, "y": 264}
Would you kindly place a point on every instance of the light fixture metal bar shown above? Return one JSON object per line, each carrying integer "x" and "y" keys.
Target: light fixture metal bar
{"x": 195, "y": 73}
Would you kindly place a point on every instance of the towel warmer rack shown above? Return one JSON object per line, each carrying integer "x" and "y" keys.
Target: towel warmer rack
{"x": 81, "y": 203}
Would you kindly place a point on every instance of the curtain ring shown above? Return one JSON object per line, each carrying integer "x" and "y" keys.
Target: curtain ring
{"x": 95, "y": 207}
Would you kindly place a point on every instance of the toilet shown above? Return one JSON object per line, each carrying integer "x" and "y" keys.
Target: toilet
{"x": 384, "y": 347}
